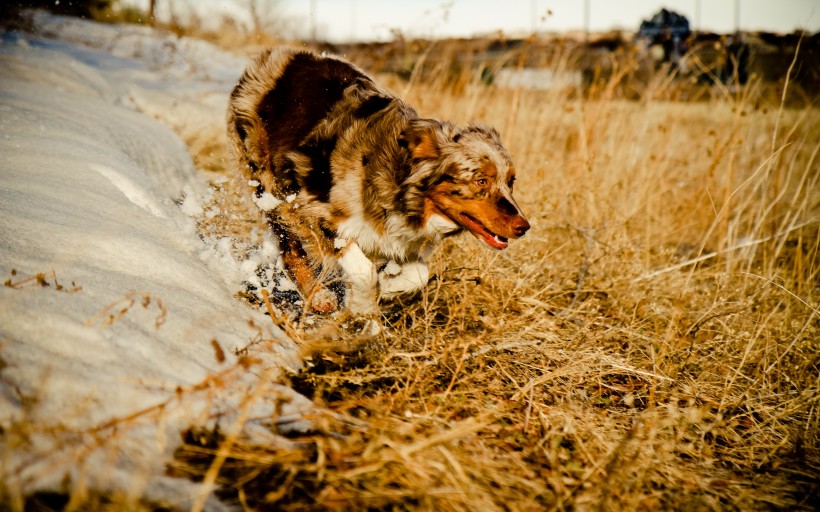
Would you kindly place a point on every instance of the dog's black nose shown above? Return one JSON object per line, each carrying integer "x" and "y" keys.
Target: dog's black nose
{"x": 521, "y": 226}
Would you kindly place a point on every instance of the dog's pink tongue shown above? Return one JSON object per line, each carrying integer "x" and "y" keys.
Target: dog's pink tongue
{"x": 494, "y": 241}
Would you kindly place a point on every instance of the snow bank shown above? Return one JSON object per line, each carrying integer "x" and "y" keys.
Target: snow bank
{"x": 180, "y": 81}
{"x": 128, "y": 336}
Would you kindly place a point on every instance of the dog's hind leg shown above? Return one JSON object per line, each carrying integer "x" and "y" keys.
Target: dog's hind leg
{"x": 298, "y": 267}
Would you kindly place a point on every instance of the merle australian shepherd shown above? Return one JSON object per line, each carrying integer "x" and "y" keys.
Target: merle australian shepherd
{"x": 355, "y": 185}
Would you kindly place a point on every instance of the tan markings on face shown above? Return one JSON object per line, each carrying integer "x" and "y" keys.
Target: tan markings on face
{"x": 481, "y": 202}
{"x": 431, "y": 206}
{"x": 485, "y": 179}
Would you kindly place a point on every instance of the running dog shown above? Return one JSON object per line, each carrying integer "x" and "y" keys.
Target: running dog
{"x": 355, "y": 185}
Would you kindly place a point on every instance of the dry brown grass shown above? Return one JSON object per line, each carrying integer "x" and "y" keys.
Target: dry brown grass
{"x": 651, "y": 344}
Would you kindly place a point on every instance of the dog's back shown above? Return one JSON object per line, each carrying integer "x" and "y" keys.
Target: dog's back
{"x": 282, "y": 99}
{"x": 318, "y": 129}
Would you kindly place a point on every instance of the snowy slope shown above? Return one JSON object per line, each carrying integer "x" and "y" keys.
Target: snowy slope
{"x": 180, "y": 81}
{"x": 117, "y": 348}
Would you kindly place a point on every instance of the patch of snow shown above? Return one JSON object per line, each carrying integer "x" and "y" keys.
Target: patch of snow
{"x": 191, "y": 205}
{"x": 266, "y": 201}
{"x": 130, "y": 190}
{"x": 89, "y": 195}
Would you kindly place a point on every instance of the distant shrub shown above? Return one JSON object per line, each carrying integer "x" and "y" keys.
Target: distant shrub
{"x": 81, "y": 8}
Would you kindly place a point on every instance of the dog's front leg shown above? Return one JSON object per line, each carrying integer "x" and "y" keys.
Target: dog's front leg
{"x": 361, "y": 274}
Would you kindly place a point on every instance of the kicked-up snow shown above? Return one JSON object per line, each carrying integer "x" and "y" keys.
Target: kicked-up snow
{"x": 118, "y": 327}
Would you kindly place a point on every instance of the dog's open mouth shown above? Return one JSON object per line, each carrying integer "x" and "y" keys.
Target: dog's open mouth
{"x": 482, "y": 233}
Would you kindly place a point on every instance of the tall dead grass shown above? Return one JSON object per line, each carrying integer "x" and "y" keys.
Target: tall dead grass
{"x": 651, "y": 344}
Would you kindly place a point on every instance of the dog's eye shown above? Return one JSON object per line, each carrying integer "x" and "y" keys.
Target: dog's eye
{"x": 482, "y": 182}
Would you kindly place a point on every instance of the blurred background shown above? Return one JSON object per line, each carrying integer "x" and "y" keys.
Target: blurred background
{"x": 566, "y": 46}
{"x": 342, "y": 21}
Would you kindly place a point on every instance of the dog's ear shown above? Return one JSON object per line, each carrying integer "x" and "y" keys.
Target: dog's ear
{"x": 420, "y": 138}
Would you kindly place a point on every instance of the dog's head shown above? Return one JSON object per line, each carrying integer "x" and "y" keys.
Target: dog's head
{"x": 466, "y": 176}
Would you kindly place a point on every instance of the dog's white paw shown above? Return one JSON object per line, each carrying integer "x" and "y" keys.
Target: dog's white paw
{"x": 397, "y": 279}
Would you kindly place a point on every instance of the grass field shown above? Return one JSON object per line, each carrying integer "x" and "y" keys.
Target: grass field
{"x": 652, "y": 344}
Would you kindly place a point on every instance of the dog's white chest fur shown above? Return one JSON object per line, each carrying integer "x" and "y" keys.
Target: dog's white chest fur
{"x": 365, "y": 247}
{"x": 398, "y": 241}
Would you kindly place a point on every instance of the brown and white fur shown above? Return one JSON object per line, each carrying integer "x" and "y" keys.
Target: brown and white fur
{"x": 351, "y": 178}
